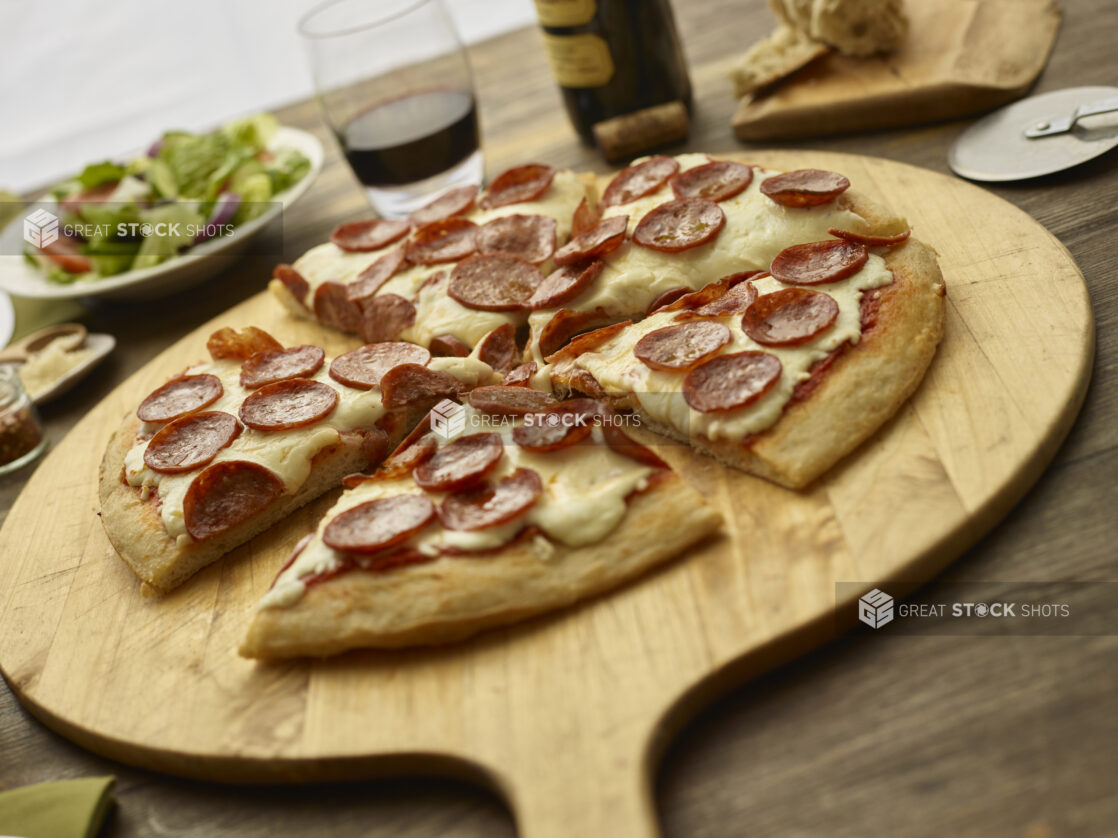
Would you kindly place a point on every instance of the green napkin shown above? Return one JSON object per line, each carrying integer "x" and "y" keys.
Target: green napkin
{"x": 66, "y": 809}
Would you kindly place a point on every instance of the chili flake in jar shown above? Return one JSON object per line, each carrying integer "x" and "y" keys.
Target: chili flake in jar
{"x": 21, "y": 432}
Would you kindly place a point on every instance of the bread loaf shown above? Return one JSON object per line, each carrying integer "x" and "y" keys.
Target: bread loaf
{"x": 809, "y": 28}
{"x": 853, "y": 27}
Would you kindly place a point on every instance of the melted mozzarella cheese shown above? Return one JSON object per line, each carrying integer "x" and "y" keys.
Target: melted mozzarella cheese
{"x": 585, "y": 488}
{"x": 756, "y": 230}
{"x": 660, "y": 393}
{"x": 288, "y": 454}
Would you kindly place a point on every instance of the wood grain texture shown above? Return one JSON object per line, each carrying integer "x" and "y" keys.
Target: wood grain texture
{"x": 961, "y": 57}
{"x": 930, "y": 735}
{"x": 571, "y": 753}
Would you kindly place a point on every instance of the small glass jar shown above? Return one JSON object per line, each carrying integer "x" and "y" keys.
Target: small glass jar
{"x": 22, "y": 438}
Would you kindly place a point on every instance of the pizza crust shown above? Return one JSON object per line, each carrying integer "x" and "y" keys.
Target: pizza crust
{"x": 451, "y": 598}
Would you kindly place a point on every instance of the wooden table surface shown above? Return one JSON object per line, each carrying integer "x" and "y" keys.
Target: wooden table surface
{"x": 912, "y": 735}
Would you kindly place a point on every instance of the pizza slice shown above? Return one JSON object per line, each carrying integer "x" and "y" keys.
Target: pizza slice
{"x": 779, "y": 373}
{"x": 231, "y": 446}
{"x": 451, "y": 274}
{"x": 671, "y": 225}
{"x": 513, "y": 505}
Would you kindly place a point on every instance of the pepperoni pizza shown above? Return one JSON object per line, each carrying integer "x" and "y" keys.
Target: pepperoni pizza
{"x": 779, "y": 319}
{"x": 229, "y": 447}
{"x": 772, "y": 320}
{"x": 449, "y": 275}
{"x": 547, "y": 503}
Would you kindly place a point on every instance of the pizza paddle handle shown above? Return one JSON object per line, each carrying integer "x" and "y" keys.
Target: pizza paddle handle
{"x": 603, "y": 799}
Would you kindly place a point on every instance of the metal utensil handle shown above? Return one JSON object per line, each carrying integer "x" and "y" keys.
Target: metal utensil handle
{"x": 1046, "y": 128}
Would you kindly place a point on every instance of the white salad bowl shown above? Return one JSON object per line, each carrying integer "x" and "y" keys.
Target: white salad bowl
{"x": 19, "y": 277}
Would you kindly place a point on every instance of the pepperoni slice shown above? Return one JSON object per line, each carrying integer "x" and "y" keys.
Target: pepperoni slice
{"x": 272, "y": 366}
{"x": 294, "y": 403}
{"x": 531, "y": 237}
{"x": 384, "y": 317}
{"x": 709, "y": 293}
{"x": 364, "y": 367}
{"x": 227, "y": 494}
{"x": 715, "y": 181}
{"x": 334, "y": 308}
{"x": 623, "y": 444}
{"x": 520, "y": 376}
{"x": 564, "y": 284}
{"x": 179, "y": 397}
{"x": 584, "y": 217}
{"x": 517, "y": 185}
{"x": 498, "y": 348}
{"x": 238, "y": 345}
{"x": 409, "y": 384}
{"x": 455, "y": 202}
{"x": 586, "y": 342}
{"x": 871, "y": 241}
{"x": 667, "y": 298}
{"x": 804, "y": 187}
{"x": 293, "y": 281}
{"x": 639, "y": 180}
{"x": 680, "y": 225}
{"x": 370, "y": 234}
{"x": 817, "y": 263}
{"x": 448, "y": 346}
{"x": 374, "y": 445}
{"x": 493, "y": 282}
{"x": 460, "y": 464}
{"x": 378, "y": 524}
{"x": 568, "y": 423}
{"x": 510, "y": 401}
{"x": 789, "y": 317}
{"x": 735, "y": 300}
{"x": 729, "y": 382}
{"x": 443, "y": 241}
{"x": 491, "y": 506}
{"x": 583, "y": 382}
{"x": 370, "y": 280}
{"x": 682, "y": 346}
{"x": 408, "y": 456}
{"x": 190, "y": 442}
{"x": 604, "y": 237}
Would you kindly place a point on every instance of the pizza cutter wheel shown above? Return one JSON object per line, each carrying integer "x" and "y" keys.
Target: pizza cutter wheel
{"x": 1039, "y": 135}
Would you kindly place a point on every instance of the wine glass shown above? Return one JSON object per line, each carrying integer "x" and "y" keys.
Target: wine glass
{"x": 395, "y": 86}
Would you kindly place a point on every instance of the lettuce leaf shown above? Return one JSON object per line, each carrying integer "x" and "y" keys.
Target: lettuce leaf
{"x": 95, "y": 174}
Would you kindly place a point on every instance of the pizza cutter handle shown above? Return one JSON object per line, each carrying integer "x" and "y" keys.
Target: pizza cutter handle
{"x": 1046, "y": 128}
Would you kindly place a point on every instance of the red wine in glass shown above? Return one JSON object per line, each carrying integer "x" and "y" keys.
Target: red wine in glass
{"x": 395, "y": 86}
{"x": 411, "y": 138}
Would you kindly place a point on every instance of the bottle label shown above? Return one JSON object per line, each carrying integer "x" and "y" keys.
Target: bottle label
{"x": 565, "y": 12}
{"x": 579, "y": 60}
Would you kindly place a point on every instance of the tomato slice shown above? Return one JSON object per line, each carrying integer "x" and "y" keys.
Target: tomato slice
{"x": 66, "y": 253}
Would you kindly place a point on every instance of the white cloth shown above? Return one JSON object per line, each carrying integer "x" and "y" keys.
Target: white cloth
{"x": 90, "y": 81}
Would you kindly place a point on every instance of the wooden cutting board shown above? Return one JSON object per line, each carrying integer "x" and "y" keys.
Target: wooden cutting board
{"x": 564, "y": 715}
{"x": 961, "y": 57}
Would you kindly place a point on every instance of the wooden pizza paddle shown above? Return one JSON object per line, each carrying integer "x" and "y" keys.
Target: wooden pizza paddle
{"x": 564, "y": 715}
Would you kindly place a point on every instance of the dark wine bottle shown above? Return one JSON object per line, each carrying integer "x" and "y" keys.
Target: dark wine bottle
{"x": 613, "y": 57}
